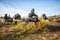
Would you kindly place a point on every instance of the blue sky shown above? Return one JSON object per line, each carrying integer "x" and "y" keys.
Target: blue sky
{"x": 23, "y": 7}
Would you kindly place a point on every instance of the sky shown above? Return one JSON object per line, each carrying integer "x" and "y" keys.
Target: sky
{"x": 23, "y": 7}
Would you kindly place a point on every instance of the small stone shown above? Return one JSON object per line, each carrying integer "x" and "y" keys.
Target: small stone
{"x": 44, "y": 38}
{"x": 36, "y": 39}
{"x": 56, "y": 36}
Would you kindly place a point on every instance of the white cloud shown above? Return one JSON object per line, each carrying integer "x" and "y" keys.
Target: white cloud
{"x": 10, "y": 10}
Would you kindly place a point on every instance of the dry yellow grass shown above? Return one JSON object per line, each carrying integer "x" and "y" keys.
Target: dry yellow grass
{"x": 19, "y": 31}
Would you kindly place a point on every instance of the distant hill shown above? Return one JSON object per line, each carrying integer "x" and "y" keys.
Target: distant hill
{"x": 54, "y": 18}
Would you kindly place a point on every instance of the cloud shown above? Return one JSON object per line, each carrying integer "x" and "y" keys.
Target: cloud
{"x": 10, "y": 10}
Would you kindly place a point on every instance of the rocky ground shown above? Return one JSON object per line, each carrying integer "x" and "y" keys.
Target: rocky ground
{"x": 8, "y": 32}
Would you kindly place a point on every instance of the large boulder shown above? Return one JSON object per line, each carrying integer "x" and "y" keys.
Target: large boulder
{"x": 32, "y": 16}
